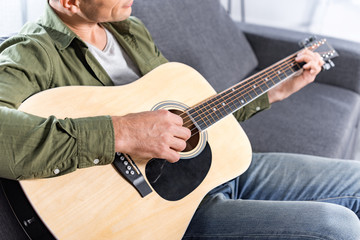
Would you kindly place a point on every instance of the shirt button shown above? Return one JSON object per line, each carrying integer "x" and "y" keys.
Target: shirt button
{"x": 96, "y": 161}
{"x": 56, "y": 171}
{"x": 257, "y": 108}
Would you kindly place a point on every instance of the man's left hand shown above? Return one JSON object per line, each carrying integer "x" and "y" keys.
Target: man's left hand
{"x": 313, "y": 63}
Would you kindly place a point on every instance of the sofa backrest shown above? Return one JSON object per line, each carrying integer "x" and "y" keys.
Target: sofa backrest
{"x": 199, "y": 33}
{"x": 2, "y": 39}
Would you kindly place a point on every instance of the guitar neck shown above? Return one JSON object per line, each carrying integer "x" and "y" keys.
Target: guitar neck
{"x": 219, "y": 106}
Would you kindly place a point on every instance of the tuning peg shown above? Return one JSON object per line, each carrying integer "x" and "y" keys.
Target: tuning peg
{"x": 303, "y": 43}
{"x": 307, "y": 41}
{"x": 313, "y": 38}
{"x": 327, "y": 65}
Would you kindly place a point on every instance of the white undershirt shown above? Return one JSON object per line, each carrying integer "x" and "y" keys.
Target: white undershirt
{"x": 115, "y": 61}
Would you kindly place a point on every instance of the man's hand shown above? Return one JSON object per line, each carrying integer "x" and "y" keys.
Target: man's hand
{"x": 157, "y": 134}
{"x": 313, "y": 64}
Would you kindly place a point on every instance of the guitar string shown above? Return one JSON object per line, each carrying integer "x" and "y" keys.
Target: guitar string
{"x": 251, "y": 86}
{"x": 250, "y": 80}
{"x": 246, "y": 86}
{"x": 247, "y": 89}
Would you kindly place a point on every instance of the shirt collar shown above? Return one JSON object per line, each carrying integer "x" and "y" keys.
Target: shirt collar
{"x": 62, "y": 35}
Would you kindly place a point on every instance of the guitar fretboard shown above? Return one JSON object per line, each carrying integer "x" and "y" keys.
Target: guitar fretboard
{"x": 217, "y": 107}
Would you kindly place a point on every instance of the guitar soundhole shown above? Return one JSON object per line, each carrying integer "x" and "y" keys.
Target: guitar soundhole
{"x": 193, "y": 141}
{"x": 174, "y": 181}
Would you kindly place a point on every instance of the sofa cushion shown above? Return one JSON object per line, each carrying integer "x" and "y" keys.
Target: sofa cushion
{"x": 325, "y": 117}
{"x": 201, "y": 34}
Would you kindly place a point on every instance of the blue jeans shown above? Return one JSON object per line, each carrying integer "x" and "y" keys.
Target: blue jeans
{"x": 284, "y": 196}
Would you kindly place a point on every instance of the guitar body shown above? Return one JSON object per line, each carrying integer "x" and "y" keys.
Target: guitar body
{"x": 97, "y": 202}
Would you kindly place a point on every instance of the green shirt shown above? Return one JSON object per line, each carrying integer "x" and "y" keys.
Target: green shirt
{"x": 45, "y": 55}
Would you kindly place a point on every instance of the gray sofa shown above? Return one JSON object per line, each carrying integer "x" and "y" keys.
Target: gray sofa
{"x": 322, "y": 119}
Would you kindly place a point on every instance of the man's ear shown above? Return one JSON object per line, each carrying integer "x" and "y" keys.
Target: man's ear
{"x": 71, "y": 5}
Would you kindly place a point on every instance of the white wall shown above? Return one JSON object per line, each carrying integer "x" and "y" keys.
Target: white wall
{"x": 13, "y": 18}
{"x": 10, "y": 12}
{"x": 339, "y": 18}
{"x": 328, "y": 17}
{"x": 286, "y": 13}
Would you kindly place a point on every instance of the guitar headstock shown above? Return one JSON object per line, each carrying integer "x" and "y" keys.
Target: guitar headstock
{"x": 326, "y": 51}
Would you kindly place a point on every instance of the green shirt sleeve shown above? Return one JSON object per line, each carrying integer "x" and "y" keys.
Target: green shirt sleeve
{"x": 35, "y": 147}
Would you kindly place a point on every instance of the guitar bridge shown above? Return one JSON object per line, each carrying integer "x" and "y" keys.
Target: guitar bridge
{"x": 128, "y": 169}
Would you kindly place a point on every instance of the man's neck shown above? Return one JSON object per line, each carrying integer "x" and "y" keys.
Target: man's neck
{"x": 93, "y": 34}
{"x": 90, "y": 32}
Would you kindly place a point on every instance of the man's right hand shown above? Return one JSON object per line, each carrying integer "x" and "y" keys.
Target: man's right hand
{"x": 156, "y": 134}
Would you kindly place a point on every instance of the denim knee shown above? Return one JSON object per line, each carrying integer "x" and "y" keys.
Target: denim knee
{"x": 336, "y": 222}
{"x": 220, "y": 218}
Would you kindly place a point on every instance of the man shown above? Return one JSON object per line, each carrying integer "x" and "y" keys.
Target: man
{"x": 77, "y": 43}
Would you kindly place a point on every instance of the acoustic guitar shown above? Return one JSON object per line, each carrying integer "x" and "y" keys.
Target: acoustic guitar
{"x": 146, "y": 199}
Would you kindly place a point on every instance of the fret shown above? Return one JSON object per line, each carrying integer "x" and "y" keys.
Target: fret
{"x": 252, "y": 91}
{"x": 252, "y": 95}
{"x": 231, "y": 97}
{"x": 257, "y": 89}
{"x": 281, "y": 74}
{"x": 200, "y": 117}
{"x": 233, "y": 105}
{"x": 225, "y": 105}
{"x": 270, "y": 81}
{"x": 240, "y": 89}
{"x": 213, "y": 112}
{"x": 291, "y": 67}
{"x": 275, "y": 77}
{"x": 230, "y": 100}
{"x": 222, "y": 107}
{"x": 220, "y": 102}
{"x": 265, "y": 81}
{"x": 223, "y": 111}
{"x": 299, "y": 66}
{"x": 247, "y": 97}
{"x": 203, "y": 110}
{"x": 262, "y": 86}
{"x": 216, "y": 109}
{"x": 289, "y": 71}
{"x": 295, "y": 66}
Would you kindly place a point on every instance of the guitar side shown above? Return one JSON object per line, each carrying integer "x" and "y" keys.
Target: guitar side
{"x": 97, "y": 202}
